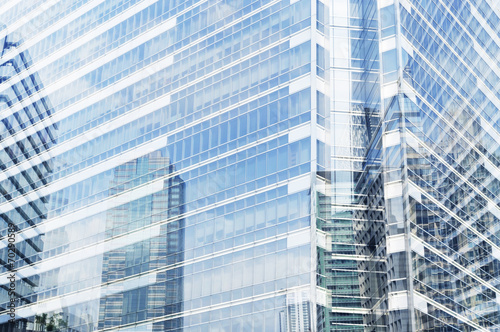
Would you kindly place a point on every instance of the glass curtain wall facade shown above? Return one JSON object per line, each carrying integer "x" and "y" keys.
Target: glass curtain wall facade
{"x": 432, "y": 170}
{"x": 250, "y": 165}
{"x": 157, "y": 160}
{"x": 438, "y": 163}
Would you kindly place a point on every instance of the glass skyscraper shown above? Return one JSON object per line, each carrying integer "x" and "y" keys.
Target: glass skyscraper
{"x": 249, "y": 165}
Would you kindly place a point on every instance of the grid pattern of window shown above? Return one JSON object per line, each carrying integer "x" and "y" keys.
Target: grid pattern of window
{"x": 156, "y": 166}
{"x": 435, "y": 258}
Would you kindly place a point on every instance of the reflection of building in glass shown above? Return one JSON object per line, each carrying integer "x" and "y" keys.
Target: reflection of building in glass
{"x": 17, "y": 146}
{"x": 435, "y": 183}
{"x": 132, "y": 122}
{"x": 163, "y": 249}
{"x": 296, "y": 316}
{"x": 251, "y": 165}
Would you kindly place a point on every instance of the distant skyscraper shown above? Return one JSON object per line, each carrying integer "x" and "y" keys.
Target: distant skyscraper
{"x": 250, "y": 165}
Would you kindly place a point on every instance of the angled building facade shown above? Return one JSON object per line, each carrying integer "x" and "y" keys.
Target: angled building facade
{"x": 179, "y": 196}
{"x": 438, "y": 150}
{"x": 241, "y": 165}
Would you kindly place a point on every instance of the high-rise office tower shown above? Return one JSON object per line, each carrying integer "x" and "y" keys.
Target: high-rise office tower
{"x": 436, "y": 172}
{"x": 249, "y": 165}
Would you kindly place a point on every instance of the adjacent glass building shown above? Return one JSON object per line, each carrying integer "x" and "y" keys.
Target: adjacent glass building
{"x": 250, "y": 165}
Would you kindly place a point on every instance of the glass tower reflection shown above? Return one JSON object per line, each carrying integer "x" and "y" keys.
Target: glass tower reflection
{"x": 13, "y": 153}
{"x": 177, "y": 199}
